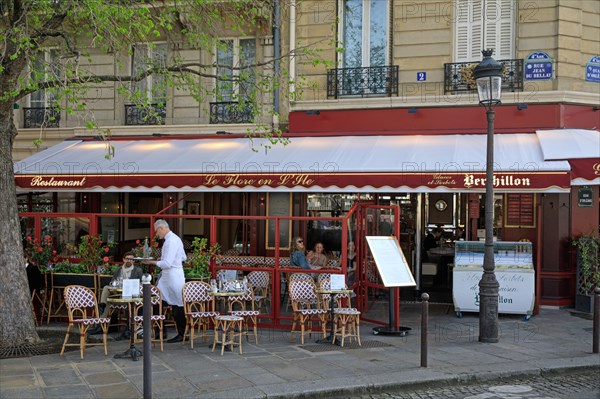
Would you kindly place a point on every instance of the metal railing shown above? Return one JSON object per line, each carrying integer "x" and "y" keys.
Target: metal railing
{"x": 154, "y": 114}
{"x": 364, "y": 82}
{"x": 230, "y": 112}
{"x": 41, "y": 117}
{"x": 458, "y": 76}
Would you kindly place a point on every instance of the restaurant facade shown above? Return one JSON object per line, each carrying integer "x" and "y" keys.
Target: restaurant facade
{"x": 388, "y": 141}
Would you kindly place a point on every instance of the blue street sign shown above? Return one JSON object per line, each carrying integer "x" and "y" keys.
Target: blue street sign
{"x": 538, "y": 66}
{"x": 592, "y": 70}
{"x": 421, "y": 76}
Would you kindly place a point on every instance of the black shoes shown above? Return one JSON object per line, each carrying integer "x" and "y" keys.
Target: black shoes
{"x": 177, "y": 338}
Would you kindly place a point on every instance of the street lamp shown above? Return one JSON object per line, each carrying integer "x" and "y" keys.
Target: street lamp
{"x": 489, "y": 82}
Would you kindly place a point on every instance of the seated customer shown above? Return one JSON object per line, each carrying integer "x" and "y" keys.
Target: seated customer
{"x": 459, "y": 234}
{"x": 351, "y": 268}
{"x": 34, "y": 276}
{"x": 317, "y": 258}
{"x": 297, "y": 257}
{"x": 431, "y": 241}
{"x": 127, "y": 271}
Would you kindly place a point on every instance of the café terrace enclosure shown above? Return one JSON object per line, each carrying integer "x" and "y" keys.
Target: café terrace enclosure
{"x": 409, "y": 163}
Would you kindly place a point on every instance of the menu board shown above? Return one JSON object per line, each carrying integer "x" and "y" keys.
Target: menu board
{"x": 390, "y": 261}
{"x": 520, "y": 210}
{"x": 279, "y": 204}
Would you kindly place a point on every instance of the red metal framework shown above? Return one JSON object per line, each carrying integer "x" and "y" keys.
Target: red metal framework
{"x": 276, "y": 319}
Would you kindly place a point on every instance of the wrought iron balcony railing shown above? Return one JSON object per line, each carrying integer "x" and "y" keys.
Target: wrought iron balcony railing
{"x": 458, "y": 76}
{"x": 41, "y": 117}
{"x": 364, "y": 82}
{"x": 229, "y": 112}
{"x": 153, "y": 115}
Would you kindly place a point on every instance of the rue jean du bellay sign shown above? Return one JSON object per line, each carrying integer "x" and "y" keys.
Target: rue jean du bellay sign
{"x": 538, "y": 66}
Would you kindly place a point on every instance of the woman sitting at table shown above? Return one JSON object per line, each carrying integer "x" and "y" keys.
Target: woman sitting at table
{"x": 351, "y": 270}
{"x": 317, "y": 258}
{"x": 297, "y": 257}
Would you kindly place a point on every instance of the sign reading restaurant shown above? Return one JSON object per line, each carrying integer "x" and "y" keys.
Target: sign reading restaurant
{"x": 361, "y": 180}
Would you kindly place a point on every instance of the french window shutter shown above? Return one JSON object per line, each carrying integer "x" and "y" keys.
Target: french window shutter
{"x": 506, "y": 29}
{"x": 499, "y": 27}
{"x": 468, "y": 31}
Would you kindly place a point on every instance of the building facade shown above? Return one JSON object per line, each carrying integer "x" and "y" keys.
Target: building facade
{"x": 387, "y": 69}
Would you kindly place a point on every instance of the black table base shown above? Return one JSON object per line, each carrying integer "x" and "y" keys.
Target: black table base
{"x": 400, "y": 331}
{"x": 132, "y": 352}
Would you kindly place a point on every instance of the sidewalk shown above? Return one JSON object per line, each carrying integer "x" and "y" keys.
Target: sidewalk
{"x": 277, "y": 368}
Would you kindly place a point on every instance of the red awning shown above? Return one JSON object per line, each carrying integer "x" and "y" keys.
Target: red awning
{"x": 578, "y": 146}
{"x": 310, "y": 164}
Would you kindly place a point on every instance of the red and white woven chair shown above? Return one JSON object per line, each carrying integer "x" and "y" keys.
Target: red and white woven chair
{"x": 305, "y": 305}
{"x": 199, "y": 308}
{"x": 157, "y": 318}
{"x": 80, "y": 302}
{"x": 346, "y": 320}
{"x": 260, "y": 283}
{"x": 297, "y": 277}
{"x": 249, "y": 315}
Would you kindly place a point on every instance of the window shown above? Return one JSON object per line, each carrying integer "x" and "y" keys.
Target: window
{"x": 153, "y": 88}
{"x": 235, "y": 53}
{"x": 484, "y": 24}
{"x": 42, "y": 110}
{"x": 364, "y": 33}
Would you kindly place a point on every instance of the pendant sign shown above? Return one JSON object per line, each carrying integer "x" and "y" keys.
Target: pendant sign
{"x": 585, "y": 197}
{"x": 538, "y": 66}
{"x": 592, "y": 69}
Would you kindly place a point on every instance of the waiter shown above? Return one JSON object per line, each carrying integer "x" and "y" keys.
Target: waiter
{"x": 172, "y": 279}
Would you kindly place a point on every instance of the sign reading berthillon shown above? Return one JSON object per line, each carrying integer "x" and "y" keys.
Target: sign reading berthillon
{"x": 499, "y": 181}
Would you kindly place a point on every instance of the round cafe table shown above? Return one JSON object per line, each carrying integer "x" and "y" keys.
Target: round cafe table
{"x": 132, "y": 352}
{"x": 329, "y": 338}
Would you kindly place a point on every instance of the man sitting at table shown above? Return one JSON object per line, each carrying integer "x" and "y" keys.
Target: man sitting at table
{"x": 431, "y": 241}
{"x": 127, "y": 271}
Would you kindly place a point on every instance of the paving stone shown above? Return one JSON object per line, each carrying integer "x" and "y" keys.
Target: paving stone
{"x": 68, "y": 391}
{"x": 60, "y": 377}
{"x": 112, "y": 377}
{"x": 18, "y": 381}
{"x": 121, "y": 391}
{"x": 21, "y": 393}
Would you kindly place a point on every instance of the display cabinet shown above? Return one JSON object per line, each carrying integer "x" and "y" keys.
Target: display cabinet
{"x": 514, "y": 271}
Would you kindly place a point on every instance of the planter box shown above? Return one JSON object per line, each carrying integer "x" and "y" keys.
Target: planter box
{"x": 584, "y": 303}
{"x": 64, "y": 279}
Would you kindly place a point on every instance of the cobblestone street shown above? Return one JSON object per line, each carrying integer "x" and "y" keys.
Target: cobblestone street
{"x": 581, "y": 385}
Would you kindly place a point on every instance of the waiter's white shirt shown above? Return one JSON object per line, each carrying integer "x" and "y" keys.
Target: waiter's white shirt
{"x": 172, "y": 279}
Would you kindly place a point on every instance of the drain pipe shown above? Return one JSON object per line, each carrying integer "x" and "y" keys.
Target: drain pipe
{"x": 418, "y": 243}
{"x": 276, "y": 55}
{"x": 292, "y": 52}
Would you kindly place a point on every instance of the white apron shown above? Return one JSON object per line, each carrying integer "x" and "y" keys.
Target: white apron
{"x": 170, "y": 285}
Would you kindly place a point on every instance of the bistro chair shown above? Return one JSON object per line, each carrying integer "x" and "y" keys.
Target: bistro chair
{"x": 156, "y": 319}
{"x": 260, "y": 283}
{"x": 305, "y": 305}
{"x": 230, "y": 328}
{"x": 248, "y": 315}
{"x": 297, "y": 277}
{"x": 346, "y": 324}
{"x": 199, "y": 308}
{"x": 346, "y": 320}
{"x": 80, "y": 301}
